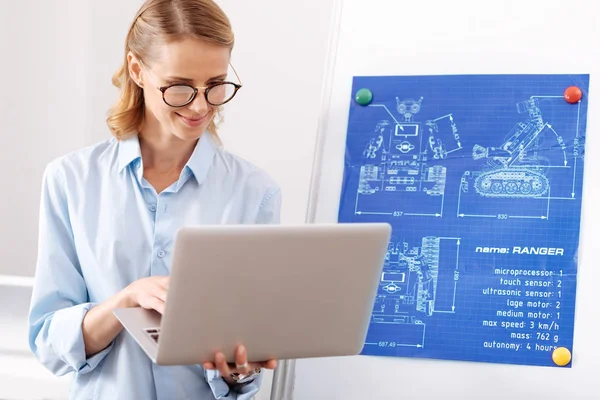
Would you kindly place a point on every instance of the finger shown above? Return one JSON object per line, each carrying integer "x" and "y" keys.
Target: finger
{"x": 241, "y": 360}
{"x": 271, "y": 364}
{"x": 160, "y": 293}
{"x": 158, "y": 305}
{"x": 209, "y": 366}
{"x": 221, "y": 364}
{"x": 253, "y": 366}
{"x": 164, "y": 282}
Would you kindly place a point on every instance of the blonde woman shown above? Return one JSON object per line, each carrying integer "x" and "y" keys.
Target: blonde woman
{"x": 109, "y": 212}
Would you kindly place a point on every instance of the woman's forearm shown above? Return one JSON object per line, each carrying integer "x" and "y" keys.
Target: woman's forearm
{"x": 100, "y": 326}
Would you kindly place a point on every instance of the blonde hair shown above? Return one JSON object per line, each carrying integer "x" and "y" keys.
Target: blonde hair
{"x": 164, "y": 21}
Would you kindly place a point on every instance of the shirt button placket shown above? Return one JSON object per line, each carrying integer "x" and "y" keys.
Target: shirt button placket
{"x": 160, "y": 242}
{"x": 152, "y": 202}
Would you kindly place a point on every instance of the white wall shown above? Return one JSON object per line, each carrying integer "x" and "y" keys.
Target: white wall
{"x": 42, "y": 115}
{"x": 44, "y": 98}
{"x": 58, "y": 57}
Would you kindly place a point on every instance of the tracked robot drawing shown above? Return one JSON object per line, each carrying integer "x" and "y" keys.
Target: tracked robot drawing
{"x": 516, "y": 169}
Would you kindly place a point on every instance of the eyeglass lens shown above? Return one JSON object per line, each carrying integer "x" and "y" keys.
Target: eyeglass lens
{"x": 179, "y": 95}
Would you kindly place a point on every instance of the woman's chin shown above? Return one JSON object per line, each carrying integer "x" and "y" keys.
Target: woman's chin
{"x": 188, "y": 132}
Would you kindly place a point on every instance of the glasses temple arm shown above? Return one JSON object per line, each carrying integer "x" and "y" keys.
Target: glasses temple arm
{"x": 236, "y": 74}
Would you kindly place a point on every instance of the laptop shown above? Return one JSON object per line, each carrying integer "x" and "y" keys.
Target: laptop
{"x": 284, "y": 291}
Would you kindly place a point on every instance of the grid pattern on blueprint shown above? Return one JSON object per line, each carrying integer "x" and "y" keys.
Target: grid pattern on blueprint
{"x": 480, "y": 177}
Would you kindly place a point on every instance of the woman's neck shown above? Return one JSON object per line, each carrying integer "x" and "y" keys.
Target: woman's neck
{"x": 165, "y": 153}
{"x": 164, "y": 157}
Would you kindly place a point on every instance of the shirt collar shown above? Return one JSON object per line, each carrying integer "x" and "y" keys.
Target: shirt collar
{"x": 129, "y": 151}
{"x": 202, "y": 157}
{"x": 199, "y": 163}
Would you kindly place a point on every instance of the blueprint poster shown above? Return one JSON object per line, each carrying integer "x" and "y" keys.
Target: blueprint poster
{"x": 480, "y": 177}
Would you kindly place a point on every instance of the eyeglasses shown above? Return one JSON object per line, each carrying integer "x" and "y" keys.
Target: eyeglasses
{"x": 181, "y": 94}
{"x": 216, "y": 94}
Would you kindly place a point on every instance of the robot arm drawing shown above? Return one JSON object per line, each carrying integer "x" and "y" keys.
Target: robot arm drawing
{"x": 376, "y": 142}
{"x": 523, "y": 137}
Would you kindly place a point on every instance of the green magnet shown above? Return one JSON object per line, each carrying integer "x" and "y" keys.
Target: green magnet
{"x": 364, "y": 97}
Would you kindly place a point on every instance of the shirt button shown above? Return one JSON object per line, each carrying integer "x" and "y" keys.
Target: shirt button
{"x": 152, "y": 207}
{"x": 160, "y": 254}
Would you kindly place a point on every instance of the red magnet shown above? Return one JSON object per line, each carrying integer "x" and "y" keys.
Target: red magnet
{"x": 573, "y": 94}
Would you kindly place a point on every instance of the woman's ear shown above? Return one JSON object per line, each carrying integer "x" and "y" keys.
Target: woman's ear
{"x": 134, "y": 67}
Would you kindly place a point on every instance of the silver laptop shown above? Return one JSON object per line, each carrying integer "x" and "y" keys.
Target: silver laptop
{"x": 284, "y": 291}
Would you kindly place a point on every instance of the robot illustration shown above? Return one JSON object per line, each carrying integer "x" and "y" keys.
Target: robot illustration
{"x": 398, "y": 154}
{"x": 408, "y": 282}
{"x": 515, "y": 169}
{"x": 404, "y": 129}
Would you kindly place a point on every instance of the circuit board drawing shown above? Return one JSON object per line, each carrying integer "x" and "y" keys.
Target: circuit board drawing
{"x": 408, "y": 290}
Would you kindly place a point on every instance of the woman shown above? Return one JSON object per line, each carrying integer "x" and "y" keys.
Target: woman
{"x": 109, "y": 212}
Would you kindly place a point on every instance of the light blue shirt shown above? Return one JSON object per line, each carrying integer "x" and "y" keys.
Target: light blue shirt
{"x": 103, "y": 226}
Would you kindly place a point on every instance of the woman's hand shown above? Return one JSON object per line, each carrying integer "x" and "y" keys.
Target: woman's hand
{"x": 241, "y": 366}
{"x": 149, "y": 293}
{"x": 100, "y": 326}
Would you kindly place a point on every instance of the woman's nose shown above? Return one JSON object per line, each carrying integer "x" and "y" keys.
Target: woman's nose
{"x": 199, "y": 105}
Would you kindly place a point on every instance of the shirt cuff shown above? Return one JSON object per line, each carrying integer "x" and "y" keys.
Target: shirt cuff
{"x": 66, "y": 336}
{"x": 219, "y": 387}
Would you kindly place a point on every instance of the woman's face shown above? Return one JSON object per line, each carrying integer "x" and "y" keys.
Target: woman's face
{"x": 190, "y": 61}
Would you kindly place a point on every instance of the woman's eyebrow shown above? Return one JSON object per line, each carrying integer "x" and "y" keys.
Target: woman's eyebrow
{"x": 179, "y": 78}
{"x": 188, "y": 80}
{"x": 222, "y": 76}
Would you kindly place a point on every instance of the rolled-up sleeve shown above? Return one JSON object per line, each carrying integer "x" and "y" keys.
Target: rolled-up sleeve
{"x": 60, "y": 299}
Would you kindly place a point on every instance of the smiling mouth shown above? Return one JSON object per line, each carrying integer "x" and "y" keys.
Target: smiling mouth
{"x": 192, "y": 121}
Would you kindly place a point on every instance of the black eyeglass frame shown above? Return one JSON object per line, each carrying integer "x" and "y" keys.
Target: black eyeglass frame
{"x": 196, "y": 90}
{"x": 237, "y": 86}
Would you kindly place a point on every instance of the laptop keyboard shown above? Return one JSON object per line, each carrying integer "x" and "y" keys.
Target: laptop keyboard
{"x": 154, "y": 333}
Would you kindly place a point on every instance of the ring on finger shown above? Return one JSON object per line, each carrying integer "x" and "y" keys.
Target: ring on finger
{"x": 244, "y": 365}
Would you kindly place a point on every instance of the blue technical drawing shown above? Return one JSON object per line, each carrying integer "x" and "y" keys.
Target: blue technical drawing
{"x": 480, "y": 177}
